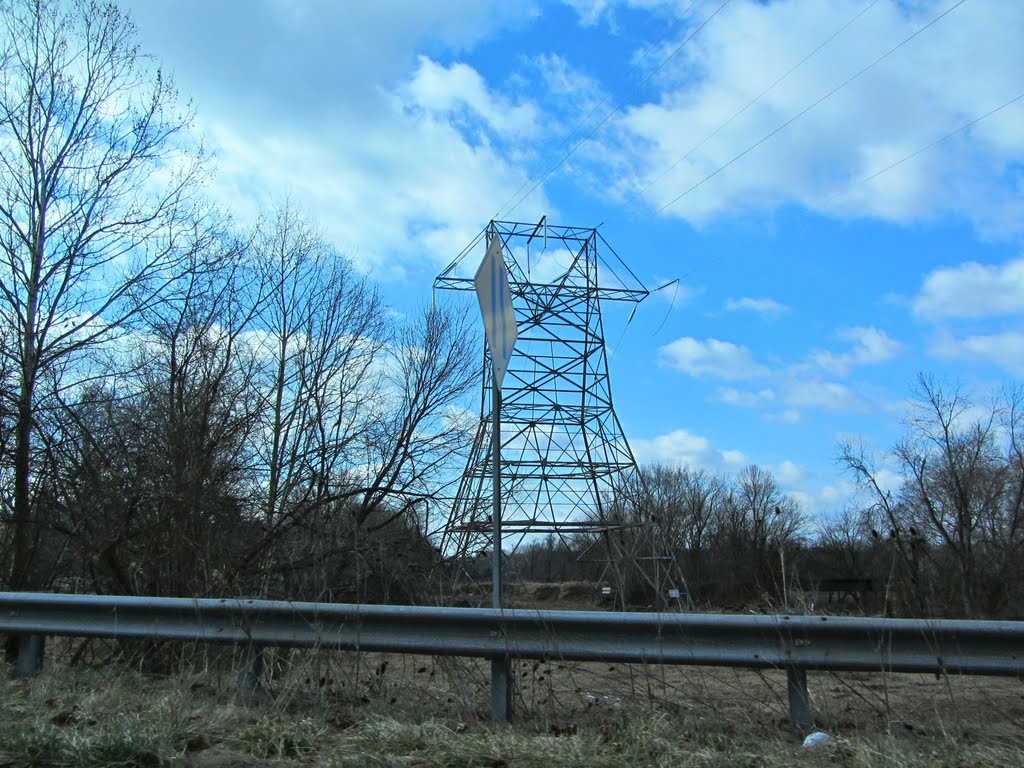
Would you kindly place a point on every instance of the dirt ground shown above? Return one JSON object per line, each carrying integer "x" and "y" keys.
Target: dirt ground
{"x": 566, "y": 695}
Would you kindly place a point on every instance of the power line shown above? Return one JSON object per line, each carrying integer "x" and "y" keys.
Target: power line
{"x": 607, "y": 117}
{"x": 804, "y": 60}
{"x": 753, "y": 101}
{"x": 935, "y": 143}
{"x": 887, "y": 168}
{"x": 803, "y": 112}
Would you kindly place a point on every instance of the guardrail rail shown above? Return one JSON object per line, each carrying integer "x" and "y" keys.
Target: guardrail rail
{"x": 795, "y": 643}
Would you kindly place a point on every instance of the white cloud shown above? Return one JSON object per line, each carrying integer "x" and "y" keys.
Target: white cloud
{"x": 972, "y": 290}
{"x": 870, "y": 346}
{"x": 589, "y": 11}
{"x": 955, "y": 71}
{"x": 711, "y": 357}
{"x": 889, "y": 480}
{"x": 838, "y": 492}
{"x": 822, "y": 394}
{"x": 788, "y": 416}
{"x": 575, "y": 89}
{"x": 447, "y": 91}
{"x": 372, "y": 123}
{"x": 409, "y": 186}
{"x": 1005, "y": 349}
{"x": 339, "y": 52}
{"x": 746, "y": 398}
{"x": 805, "y": 501}
{"x": 789, "y": 473}
{"x": 685, "y": 448}
{"x": 796, "y": 386}
{"x": 762, "y": 306}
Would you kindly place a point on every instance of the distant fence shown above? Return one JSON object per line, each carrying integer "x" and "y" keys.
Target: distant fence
{"x": 797, "y": 644}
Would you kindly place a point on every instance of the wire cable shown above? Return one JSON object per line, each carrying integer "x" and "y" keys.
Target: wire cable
{"x": 752, "y": 102}
{"x": 790, "y": 71}
{"x": 879, "y": 172}
{"x": 924, "y": 149}
{"x": 804, "y": 111}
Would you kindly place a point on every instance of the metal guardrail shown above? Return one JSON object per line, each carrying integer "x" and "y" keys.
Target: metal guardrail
{"x": 795, "y": 643}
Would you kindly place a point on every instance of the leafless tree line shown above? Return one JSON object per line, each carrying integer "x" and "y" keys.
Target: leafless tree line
{"x": 186, "y": 407}
{"x": 936, "y": 528}
{"x": 715, "y": 539}
{"x": 943, "y": 520}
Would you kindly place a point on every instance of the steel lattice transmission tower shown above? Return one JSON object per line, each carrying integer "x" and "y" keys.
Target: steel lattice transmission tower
{"x": 564, "y": 456}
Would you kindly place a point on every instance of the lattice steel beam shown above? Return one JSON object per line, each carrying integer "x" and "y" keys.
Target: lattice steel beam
{"x": 564, "y": 453}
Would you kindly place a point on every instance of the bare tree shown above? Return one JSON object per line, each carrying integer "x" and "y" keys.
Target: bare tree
{"x": 951, "y": 467}
{"x": 761, "y": 523}
{"x": 153, "y": 469}
{"x": 685, "y": 509}
{"x": 1006, "y": 531}
{"x": 956, "y": 521}
{"x": 410, "y": 449}
{"x": 93, "y": 185}
{"x": 318, "y": 339}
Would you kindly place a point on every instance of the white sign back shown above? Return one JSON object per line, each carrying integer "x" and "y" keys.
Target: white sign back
{"x": 495, "y": 299}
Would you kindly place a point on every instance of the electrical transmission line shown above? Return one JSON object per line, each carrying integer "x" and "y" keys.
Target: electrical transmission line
{"x": 752, "y": 102}
{"x": 927, "y": 147}
{"x": 807, "y": 109}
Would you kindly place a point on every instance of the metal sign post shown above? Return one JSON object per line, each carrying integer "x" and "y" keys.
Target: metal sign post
{"x": 495, "y": 298}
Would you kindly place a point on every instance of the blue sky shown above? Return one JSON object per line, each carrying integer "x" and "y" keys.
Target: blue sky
{"x": 755, "y": 150}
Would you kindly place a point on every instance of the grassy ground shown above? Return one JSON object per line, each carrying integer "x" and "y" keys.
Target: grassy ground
{"x": 349, "y": 710}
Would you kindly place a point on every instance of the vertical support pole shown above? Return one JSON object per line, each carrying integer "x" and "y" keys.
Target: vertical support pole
{"x": 799, "y": 699}
{"x": 496, "y": 508}
{"x": 501, "y": 667}
{"x": 31, "y": 650}
{"x": 501, "y": 689}
{"x": 250, "y": 667}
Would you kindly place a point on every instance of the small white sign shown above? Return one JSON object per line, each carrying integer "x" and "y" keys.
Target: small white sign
{"x": 495, "y": 299}
{"x": 606, "y": 590}
{"x": 673, "y": 594}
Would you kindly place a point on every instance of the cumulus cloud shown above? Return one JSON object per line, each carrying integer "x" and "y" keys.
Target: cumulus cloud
{"x": 384, "y": 199}
{"x": 309, "y": 61}
{"x": 870, "y": 346}
{"x": 822, "y": 394}
{"x": 685, "y": 448}
{"x": 789, "y": 473}
{"x": 573, "y": 88}
{"x": 704, "y": 116}
{"x": 400, "y": 154}
{"x": 746, "y": 398}
{"x": 761, "y": 306}
{"x": 796, "y": 386}
{"x": 452, "y": 90}
{"x": 972, "y": 290}
{"x": 1004, "y": 349}
{"x": 711, "y": 357}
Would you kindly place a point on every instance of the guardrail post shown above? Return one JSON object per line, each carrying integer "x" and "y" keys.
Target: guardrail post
{"x": 799, "y": 699}
{"x": 250, "y": 667}
{"x": 31, "y": 649}
{"x": 501, "y": 690}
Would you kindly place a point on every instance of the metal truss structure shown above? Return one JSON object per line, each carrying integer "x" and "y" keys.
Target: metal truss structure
{"x": 564, "y": 456}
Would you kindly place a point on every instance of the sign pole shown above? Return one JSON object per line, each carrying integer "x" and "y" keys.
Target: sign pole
{"x": 496, "y": 510}
{"x": 501, "y": 667}
{"x": 492, "y": 290}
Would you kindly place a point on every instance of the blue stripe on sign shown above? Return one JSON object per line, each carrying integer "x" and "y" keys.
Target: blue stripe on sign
{"x": 503, "y": 290}
{"x": 495, "y": 301}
